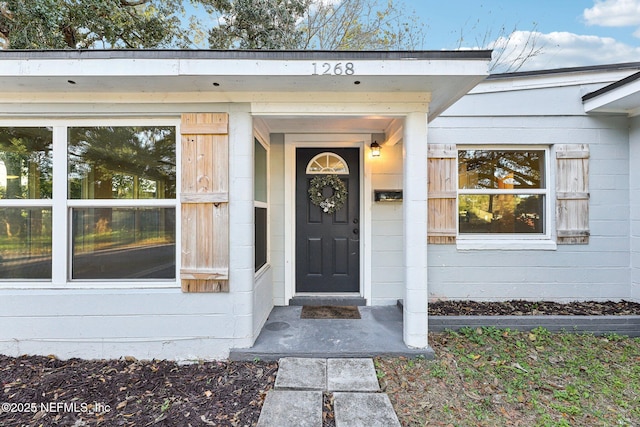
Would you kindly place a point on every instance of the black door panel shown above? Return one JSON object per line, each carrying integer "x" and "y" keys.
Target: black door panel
{"x": 327, "y": 245}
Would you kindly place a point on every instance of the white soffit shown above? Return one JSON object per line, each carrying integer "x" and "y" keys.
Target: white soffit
{"x": 243, "y": 76}
{"x": 622, "y": 97}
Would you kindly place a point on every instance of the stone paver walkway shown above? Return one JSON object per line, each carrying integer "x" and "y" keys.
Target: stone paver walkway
{"x": 296, "y": 400}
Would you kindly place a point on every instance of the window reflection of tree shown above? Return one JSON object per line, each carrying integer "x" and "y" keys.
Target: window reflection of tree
{"x": 498, "y": 170}
{"x": 120, "y": 163}
{"x": 27, "y": 158}
{"x": 522, "y": 169}
{"x": 111, "y": 162}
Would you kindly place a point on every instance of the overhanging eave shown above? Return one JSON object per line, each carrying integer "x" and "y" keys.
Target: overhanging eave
{"x": 445, "y": 75}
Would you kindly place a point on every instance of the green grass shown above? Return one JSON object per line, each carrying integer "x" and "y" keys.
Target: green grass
{"x": 499, "y": 377}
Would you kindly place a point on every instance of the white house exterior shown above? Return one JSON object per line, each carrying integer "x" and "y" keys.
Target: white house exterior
{"x": 591, "y": 113}
{"x": 155, "y": 203}
{"x": 150, "y": 201}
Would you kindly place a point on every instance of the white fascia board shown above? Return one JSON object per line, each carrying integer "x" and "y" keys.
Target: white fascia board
{"x": 516, "y": 83}
{"x": 624, "y": 99}
{"x": 236, "y": 67}
{"x": 309, "y": 67}
{"x": 89, "y": 67}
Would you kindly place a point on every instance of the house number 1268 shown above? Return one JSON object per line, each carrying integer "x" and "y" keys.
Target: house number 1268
{"x": 333, "y": 69}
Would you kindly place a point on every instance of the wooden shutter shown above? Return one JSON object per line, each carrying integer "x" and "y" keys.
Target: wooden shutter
{"x": 572, "y": 194}
{"x": 205, "y": 202}
{"x": 442, "y": 193}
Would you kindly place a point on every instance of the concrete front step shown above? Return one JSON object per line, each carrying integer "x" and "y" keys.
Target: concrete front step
{"x": 296, "y": 400}
{"x": 285, "y": 334}
{"x": 319, "y": 300}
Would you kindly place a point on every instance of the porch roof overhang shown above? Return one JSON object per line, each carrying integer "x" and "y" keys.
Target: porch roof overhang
{"x": 438, "y": 78}
{"x": 621, "y": 97}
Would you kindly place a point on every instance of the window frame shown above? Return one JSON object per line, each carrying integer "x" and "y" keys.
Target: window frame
{"x": 509, "y": 240}
{"x": 324, "y": 171}
{"x": 43, "y": 203}
{"x": 62, "y": 205}
{"x": 264, "y": 205}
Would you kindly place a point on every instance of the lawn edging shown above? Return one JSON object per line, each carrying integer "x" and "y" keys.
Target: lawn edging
{"x": 628, "y": 325}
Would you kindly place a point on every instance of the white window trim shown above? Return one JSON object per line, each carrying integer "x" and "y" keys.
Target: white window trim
{"x": 257, "y": 204}
{"x": 478, "y": 241}
{"x": 61, "y": 205}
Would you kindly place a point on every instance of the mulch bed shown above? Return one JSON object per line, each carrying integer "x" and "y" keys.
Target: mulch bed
{"x": 44, "y": 391}
{"x": 524, "y": 308}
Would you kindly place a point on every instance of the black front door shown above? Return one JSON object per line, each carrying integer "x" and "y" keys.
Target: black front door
{"x": 328, "y": 244}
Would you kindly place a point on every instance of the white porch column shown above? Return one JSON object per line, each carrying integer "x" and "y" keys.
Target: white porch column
{"x": 415, "y": 230}
{"x": 241, "y": 223}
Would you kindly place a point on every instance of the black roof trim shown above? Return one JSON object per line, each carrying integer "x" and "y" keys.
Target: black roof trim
{"x": 245, "y": 54}
{"x": 605, "y": 67}
{"x": 611, "y": 87}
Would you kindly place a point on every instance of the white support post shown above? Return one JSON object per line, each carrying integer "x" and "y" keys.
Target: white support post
{"x": 241, "y": 223}
{"x": 415, "y": 230}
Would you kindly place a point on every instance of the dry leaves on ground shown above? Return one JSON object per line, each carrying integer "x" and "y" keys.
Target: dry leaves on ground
{"x": 128, "y": 392}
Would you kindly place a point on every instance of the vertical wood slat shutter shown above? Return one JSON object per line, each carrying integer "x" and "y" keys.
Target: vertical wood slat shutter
{"x": 442, "y": 193}
{"x": 572, "y": 194}
{"x": 205, "y": 202}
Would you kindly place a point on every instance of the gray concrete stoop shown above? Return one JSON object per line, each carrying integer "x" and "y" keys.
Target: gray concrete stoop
{"x": 378, "y": 333}
{"x": 296, "y": 400}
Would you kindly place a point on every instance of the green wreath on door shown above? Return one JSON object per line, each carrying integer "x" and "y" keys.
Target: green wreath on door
{"x": 330, "y": 204}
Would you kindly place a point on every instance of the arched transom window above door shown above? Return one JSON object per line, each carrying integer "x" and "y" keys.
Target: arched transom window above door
{"x": 327, "y": 162}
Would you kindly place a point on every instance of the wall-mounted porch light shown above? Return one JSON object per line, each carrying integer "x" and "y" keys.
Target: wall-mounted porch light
{"x": 375, "y": 149}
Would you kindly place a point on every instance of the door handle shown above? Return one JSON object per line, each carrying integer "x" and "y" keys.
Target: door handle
{"x": 356, "y": 231}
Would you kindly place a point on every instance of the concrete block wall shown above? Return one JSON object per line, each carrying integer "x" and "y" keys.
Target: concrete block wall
{"x": 597, "y": 271}
{"x": 262, "y": 299}
{"x": 241, "y": 225}
{"x": 387, "y": 275}
{"x": 634, "y": 191}
{"x": 111, "y": 323}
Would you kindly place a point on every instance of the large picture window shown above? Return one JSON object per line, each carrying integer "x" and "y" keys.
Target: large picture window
{"x": 25, "y": 202}
{"x": 88, "y": 203}
{"x": 502, "y": 192}
{"x": 111, "y": 240}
